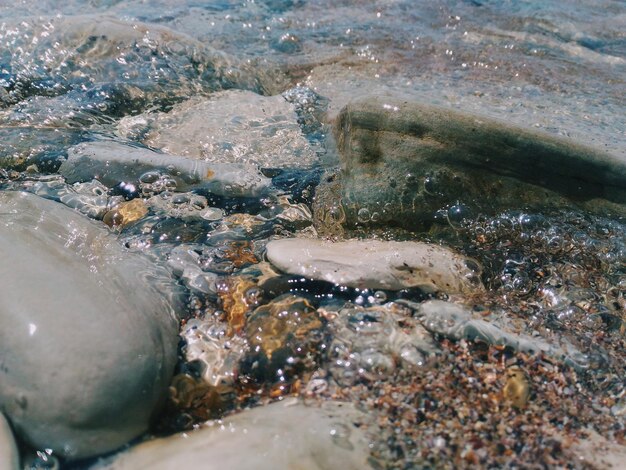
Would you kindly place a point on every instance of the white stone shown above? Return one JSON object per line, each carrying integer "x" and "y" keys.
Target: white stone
{"x": 375, "y": 264}
{"x": 284, "y": 435}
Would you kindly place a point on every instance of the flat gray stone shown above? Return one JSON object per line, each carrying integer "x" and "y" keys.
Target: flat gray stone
{"x": 404, "y": 161}
{"x": 111, "y": 162}
{"x": 284, "y": 435}
{"x": 375, "y": 264}
{"x": 88, "y": 333}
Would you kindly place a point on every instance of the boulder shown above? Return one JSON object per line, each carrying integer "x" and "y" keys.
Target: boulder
{"x": 285, "y": 435}
{"x": 375, "y": 264}
{"x": 403, "y": 162}
{"x": 88, "y": 332}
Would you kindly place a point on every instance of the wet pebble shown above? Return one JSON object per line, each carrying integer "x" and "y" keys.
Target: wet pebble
{"x": 125, "y": 214}
{"x": 376, "y": 264}
{"x": 285, "y": 337}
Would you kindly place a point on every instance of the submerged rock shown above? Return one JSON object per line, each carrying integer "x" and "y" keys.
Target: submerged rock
{"x": 403, "y": 162}
{"x": 88, "y": 333}
{"x": 283, "y": 435}
{"x": 118, "y": 66}
{"x": 23, "y": 146}
{"x": 125, "y": 213}
{"x": 233, "y": 126}
{"x": 455, "y": 322}
{"x": 285, "y": 338}
{"x": 376, "y": 264}
{"x": 111, "y": 163}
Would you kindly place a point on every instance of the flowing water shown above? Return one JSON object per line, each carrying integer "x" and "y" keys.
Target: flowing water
{"x": 133, "y": 74}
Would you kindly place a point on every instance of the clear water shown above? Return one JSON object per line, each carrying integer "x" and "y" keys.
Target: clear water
{"x": 89, "y": 69}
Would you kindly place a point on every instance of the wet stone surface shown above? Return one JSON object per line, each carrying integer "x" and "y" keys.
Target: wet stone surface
{"x": 395, "y": 231}
{"x": 59, "y": 389}
{"x": 252, "y": 129}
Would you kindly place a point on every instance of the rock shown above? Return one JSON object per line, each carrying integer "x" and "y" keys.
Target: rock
{"x": 88, "y": 333}
{"x": 375, "y": 264}
{"x": 402, "y": 162}
{"x": 232, "y": 126}
{"x": 456, "y": 322}
{"x": 285, "y": 338}
{"x": 117, "y": 67}
{"x": 23, "y": 146}
{"x": 125, "y": 213}
{"x": 111, "y": 163}
{"x": 286, "y": 435}
{"x": 9, "y": 457}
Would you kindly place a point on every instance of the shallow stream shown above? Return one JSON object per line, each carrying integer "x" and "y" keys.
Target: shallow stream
{"x": 227, "y": 110}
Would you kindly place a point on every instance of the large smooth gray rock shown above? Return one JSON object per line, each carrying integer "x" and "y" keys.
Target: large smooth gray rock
{"x": 88, "y": 331}
{"x": 375, "y": 264}
{"x": 404, "y": 161}
{"x": 284, "y": 435}
{"x": 111, "y": 163}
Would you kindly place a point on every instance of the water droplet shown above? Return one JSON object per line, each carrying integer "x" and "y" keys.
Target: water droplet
{"x": 363, "y": 215}
{"x": 457, "y": 215}
{"x": 180, "y": 199}
{"x": 149, "y": 177}
{"x": 380, "y": 296}
{"x": 340, "y": 435}
{"x": 430, "y": 186}
{"x": 170, "y": 184}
